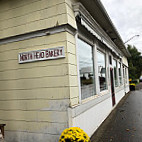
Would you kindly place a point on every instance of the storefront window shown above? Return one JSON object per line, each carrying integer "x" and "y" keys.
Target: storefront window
{"x": 120, "y": 74}
{"x": 115, "y": 72}
{"x": 101, "y": 58}
{"x": 86, "y": 69}
{"x": 126, "y": 76}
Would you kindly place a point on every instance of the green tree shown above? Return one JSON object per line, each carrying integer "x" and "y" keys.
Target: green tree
{"x": 135, "y": 62}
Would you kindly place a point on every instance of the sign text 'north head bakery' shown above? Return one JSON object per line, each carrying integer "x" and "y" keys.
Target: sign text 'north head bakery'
{"x": 40, "y": 55}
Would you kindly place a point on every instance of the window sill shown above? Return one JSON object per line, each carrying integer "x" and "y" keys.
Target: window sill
{"x": 103, "y": 92}
{"x": 89, "y": 103}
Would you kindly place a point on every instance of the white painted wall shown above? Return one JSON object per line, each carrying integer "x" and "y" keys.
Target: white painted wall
{"x": 125, "y": 61}
{"x": 91, "y": 119}
{"x": 119, "y": 95}
{"x": 127, "y": 89}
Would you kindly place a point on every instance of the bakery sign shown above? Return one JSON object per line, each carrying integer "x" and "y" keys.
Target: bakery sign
{"x": 40, "y": 55}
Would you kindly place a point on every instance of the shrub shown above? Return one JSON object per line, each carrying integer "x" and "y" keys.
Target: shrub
{"x": 74, "y": 134}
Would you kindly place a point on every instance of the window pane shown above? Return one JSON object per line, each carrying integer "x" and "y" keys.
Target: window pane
{"x": 115, "y": 72}
{"x": 102, "y": 70}
{"x": 86, "y": 69}
{"x": 119, "y": 72}
{"x": 126, "y": 76}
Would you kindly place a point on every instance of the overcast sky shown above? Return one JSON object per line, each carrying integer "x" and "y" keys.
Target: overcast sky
{"x": 126, "y": 15}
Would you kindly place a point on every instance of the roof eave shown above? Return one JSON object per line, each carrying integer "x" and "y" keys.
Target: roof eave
{"x": 101, "y": 16}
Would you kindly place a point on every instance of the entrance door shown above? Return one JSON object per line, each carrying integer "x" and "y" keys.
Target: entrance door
{"x": 112, "y": 86}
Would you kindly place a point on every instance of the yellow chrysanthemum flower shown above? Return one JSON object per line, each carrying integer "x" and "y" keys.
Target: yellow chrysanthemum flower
{"x": 74, "y": 134}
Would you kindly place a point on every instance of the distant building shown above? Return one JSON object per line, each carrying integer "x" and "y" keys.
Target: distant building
{"x": 62, "y": 64}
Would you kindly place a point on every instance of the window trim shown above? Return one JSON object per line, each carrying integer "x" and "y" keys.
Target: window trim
{"x": 125, "y": 74}
{"x": 104, "y": 52}
{"x": 79, "y": 36}
{"x": 117, "y": 76}
{"x": 121, "y": 70}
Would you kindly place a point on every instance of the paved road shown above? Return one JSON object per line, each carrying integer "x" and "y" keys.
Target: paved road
{"x": 125, "y": 122}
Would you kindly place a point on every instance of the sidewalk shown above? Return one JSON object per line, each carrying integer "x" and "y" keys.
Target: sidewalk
{"x": 125, "y": 122}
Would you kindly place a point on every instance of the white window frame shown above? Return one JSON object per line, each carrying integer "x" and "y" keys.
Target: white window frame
{"x": 117, "y": 74}
{"x": 106, "y": 65}
{"x": 85, "y": 39}
{"x": 121, "y": 70}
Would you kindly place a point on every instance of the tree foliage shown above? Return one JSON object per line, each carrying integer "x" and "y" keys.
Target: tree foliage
{"x": 135, "y": 62}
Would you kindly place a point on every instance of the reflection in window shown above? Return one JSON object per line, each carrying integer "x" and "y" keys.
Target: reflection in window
{"x": 125, "y": 74}
{"x": 115, "y": 72}
{"x": 120, "y": 74}
{"x": 86, "y": 69}
{"x": 102, "y": 70}
{"x": 126, "y": 77}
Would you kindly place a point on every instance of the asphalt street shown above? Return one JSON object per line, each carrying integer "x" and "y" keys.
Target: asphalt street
{"x": 125, "y": 122}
